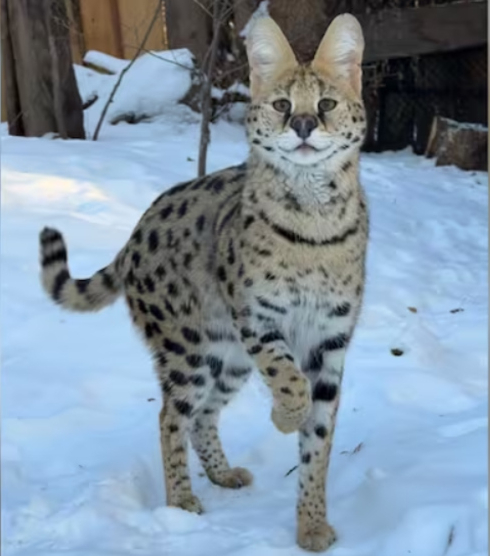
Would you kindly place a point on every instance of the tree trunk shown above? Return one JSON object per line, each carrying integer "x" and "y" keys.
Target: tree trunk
{"x": 464, "y": 145}
{"x": 304, "y": 23}
{"x": 42, "y": 93}
{"x": 189, "y": 25}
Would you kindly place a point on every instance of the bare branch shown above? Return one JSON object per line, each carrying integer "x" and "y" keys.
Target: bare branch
{"x": 156, "y": 15}
{"x": 208, "y": 68}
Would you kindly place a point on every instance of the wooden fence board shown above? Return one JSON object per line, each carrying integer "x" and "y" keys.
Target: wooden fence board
{"x": 101, "y": 26}
{"x": 398, "y": 33}
{"x": 135, "y": 17}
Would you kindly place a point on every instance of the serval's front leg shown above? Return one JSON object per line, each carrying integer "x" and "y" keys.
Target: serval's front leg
{"x": 290, "y": 388}
{"x": 313, "y": 530}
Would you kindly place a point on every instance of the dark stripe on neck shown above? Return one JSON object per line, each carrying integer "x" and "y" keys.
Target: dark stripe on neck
{"x": 294, "y": 237}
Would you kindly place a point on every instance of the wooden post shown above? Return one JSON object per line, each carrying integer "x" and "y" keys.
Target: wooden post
{"x": 36, "y": 51}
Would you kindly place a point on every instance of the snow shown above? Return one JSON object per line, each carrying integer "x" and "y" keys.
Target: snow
{"x": 105, "y": 61}
{"x": 81, "y": 464}
{"x": 158, "y": 80}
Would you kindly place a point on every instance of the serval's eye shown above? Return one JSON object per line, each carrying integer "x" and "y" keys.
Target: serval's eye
{"x": 282, "y": 105}
{"x": 327, "y": 104}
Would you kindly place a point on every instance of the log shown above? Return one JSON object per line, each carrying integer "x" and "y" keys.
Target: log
{"x": 460, "y": 144}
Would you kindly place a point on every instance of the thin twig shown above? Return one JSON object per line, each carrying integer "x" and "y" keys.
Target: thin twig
{"x": 291, "y": 470}
{"x": 156, "y": 15}
{"x": 208, "y": 67}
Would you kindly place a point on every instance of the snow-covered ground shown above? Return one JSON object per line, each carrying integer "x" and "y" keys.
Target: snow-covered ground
{"x": 81, "y": 466}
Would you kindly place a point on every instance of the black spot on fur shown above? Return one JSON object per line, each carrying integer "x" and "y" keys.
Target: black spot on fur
{"x": 320, "y": 431}
{"x": 198, "y": 380}
{"x": 58, "y": 256}
{"x": 215, "y": 364}
{"x": 324, "y": 391}
{"x": 169, "y": 307}
{"x": 178, "y": 377}
{"x": 271, "y": 371}
{"x": 231, "y": 253}
{"x": 49, "y": 235}
{"x": 166, "y": 211}
{"x": 138, "y": 236}
{"x": 286, "y": 390}
{"x": 61, "y": 279}
{"x": 160, "y": 272}
{"x": 142, "y": 306}
{"x": 108, "y": 281}
{"x": 148, "y": 330}
{"x": 178, "y": 188}
{"x": 238, "y": 372}
{"x": 341, "y": 310}
{"x": 194, "y": 360}
{"x": 172, "y": 289}
{"x": 306, "y": 458}
{"x": 231, "y": 289}
{"x": 217, "y": 184}
{"x": 191, "y": 335}
{"x": 220, "y": 336}
{"x": 161, "y": 359}
{"x": 249, "y": 220}
{"x": 248, "y": 282}
{"x": 268, "y": 305}
{"x": 149, "y": 283}
{"x": 173, "y": 347}
{"x": 136, "y": 258}
{"x": 130, "y": 280}
{"x": 82, "y": 285}
{"x": 223, "y": 387}
{"x": 156, "y": 312}
{"x": 246, "y": 332}
{"x": 221, "y": 273}
{"x": 315, "y": 361}
{"x": 200, "y": 222}
{"x": 183, "y": 407}
{"x": 270, "y": 337}
{"x": 182, "y": 211}
{"x": 153, "y": 241}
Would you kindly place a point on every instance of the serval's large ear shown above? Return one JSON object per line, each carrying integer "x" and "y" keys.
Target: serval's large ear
{"x": 269, "y": 54}
{"x": 341, "y": 49}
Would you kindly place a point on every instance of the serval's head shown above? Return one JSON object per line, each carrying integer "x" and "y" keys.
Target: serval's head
{"x": 306, "y": 114}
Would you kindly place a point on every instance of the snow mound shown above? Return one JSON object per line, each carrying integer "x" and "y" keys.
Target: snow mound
{"x": 152, "y": 86}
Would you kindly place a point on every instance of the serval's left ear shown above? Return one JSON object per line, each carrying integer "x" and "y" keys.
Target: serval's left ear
{"x": 341, "y": 49}
{"x": 269, "y": 54}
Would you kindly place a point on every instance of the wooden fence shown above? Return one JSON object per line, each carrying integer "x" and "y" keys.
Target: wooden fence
{"x": 114, "y": 27}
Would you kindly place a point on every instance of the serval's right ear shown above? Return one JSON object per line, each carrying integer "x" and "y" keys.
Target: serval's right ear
{"x": 269, "y": 54}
